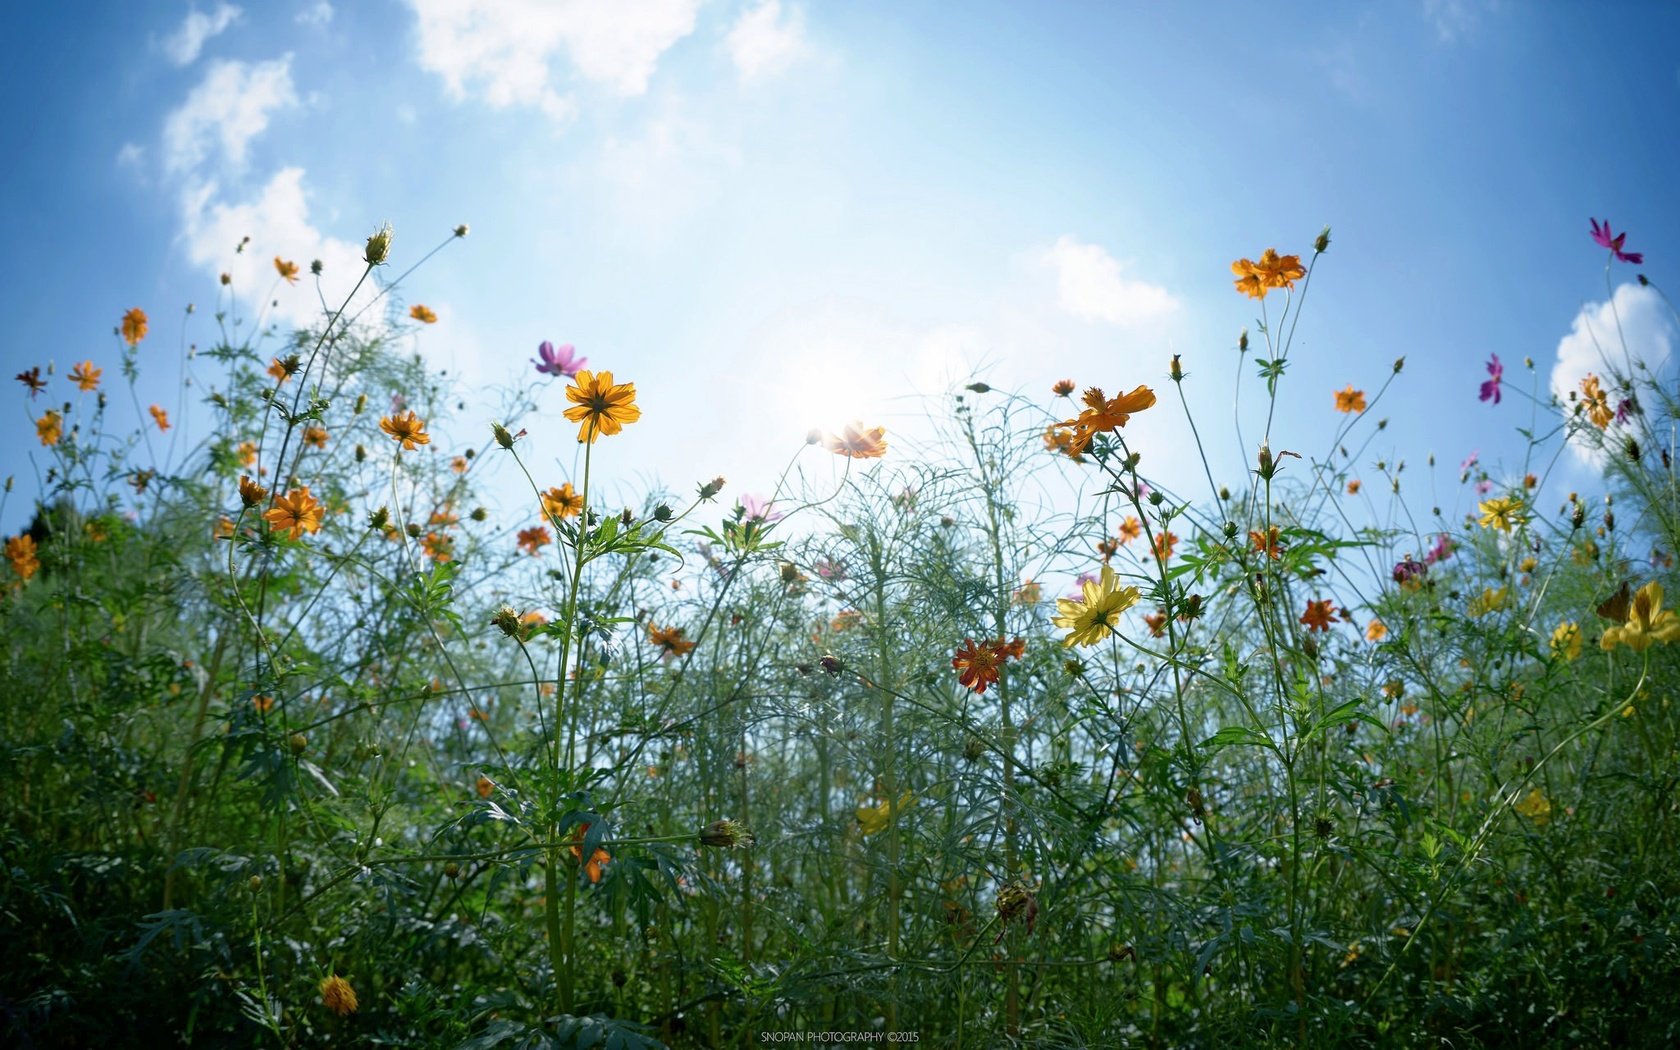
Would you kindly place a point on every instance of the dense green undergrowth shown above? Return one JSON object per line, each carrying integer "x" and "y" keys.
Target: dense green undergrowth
{"x": 303, "y": 746}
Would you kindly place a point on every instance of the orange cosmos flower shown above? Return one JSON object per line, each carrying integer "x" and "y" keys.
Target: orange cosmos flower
{"x": 247, "y": 453}
{"x": 484, "y": 786}
{"x": 32, "y": 380}
{"x": 1060, "y": 439}
{"x": 597, "y": 860}
{"x": 422, "y": 313}
{"x": 86, "y": 376}
{"x": 1164, "y": 544}
{"x": 1353, "y": 487}
{"x": 315, "y": 437}
{"x": 979, "y": 666}
{"x": 1156, "y": 622}
{"x": 251, "y": 493}
{"x": 855, "y": 442}
{"x": 1350, "y": 400}
{"x": 1105, "y": 415}
{"x": 134, "y": 326}
{"x": 845, "y": 620}
{"x": 1255, "y": 279}
{"x": 1318, "y": 614}
{"x": 458, "y": 464}
{"x": 444, "y": 515}
{"x": 562, "y": 503}
{"x": 262, "y": 704}
{"x": 670, "y": 640}
{"x": 1108, "y": 549}
{"x": 295, "y": 513}
{"x": 1063, "y": 388}
{"x": 160, "y": 417}
{"x": 223, "y": 529}
{"x": 408, "y": 430}
{"x": 1376, "y": 631}
{"x": 282, "y": 370}
{"x": 50, "y": 427}
{"x": 285, "y": 269}
{"x": 1266, "y": 542}
{"x": 439, "y": 546}
{"x": 533, "y": 539}
{"x": 599, "y": 405}
{"x": 338, "y": 996}
{"x": 20, "y": 551}
{"x": 1597, "y": 401}
{"x": 1130, "y": 529}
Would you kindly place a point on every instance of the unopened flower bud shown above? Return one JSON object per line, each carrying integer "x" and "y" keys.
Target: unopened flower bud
{"x": 299, "y": 743}
{"x": 361, "y": 453}
{"x": 1399, "y": 363}
{"x": 1230, "y": 530}
{"x": 790, "y": 572}
{"x": 315, "y": 267}
{"x": 1242, "y": 342}
{"x": 627, "y": 517}
{"x": 726, "y": 834}
{"x": 508, "y": 622}
{"x": 254, "y": 884}
{"x": 378, "y": 246}
{"x": 1176, "y": 370}
{"x": 452, "y": 870}
{"x": 414, "y": 530}
{"x": 479, "y": 514}
{"x": 831, "y": 664}
{"x": 361, "y": 403}
{"x": 813, "y": 436}
{"x": 663, "y": 513}
{"x": 711, "y": 488}
{"x": 500, "y": 433}
{"x": 1322, "y": 241}
{"x": 379, "y": 519}
{"x": 461, "y": 230}
{"x": 980, "y": 388}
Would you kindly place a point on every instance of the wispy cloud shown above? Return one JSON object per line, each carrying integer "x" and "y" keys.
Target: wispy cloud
{"x": 1091, "y": 285}
{"x": 317, "y": 14}
{"x": 227, "y": 109}
{"x": 765, "y": 40}
{"x": 182, "y": 47}
{"x": 505, "y": 50}
{"x": 1456, "y": 19}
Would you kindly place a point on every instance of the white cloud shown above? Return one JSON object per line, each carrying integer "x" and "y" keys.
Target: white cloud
{"x": 317, "y": 14}
{"x": 277, "y": 221}
{"x": 229, "y": 107}
{"x": 130, "y": 155}
{"x": 1592, "y": 345}
{"x": 183, "y": 46}
{"x": 1090, "y": 285}
{"x": 762, "y": 42}
{"x": 504, "y": 50}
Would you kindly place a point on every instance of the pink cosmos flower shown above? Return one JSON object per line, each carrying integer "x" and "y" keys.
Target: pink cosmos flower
{"x": 1441, "y": 551}
{"x": 1490, "y": 388}
{"x": 1602, "y": 237}
{"x": 561, "y": 362}
{"x": 755, "y": 509}
{"x": 1079, "y": 584}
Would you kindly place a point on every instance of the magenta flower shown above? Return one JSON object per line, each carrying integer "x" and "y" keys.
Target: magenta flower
{"x": 1602, "y": 237}
{"x": 1483, "y": 487}
{"x": 754, "y": 509}
{"x": 1490, "y": 388}
{"x": 830, "y": 570}
{"x": 1624, "y": 409}
{"x": 1441, "y": 551}
{"x": 1407, "y": 569}
{"x": 561, "y": 362}
{"x": 1079, "y": 585}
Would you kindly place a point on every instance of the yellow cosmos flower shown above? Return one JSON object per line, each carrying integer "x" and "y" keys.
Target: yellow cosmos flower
{"x": 285, "y": 269}
{"x": 134, "y": 326}
{"x": 1535, "y": 807}
{"x": 1255, "y": 279}
{"x": 1647, "y": 622}
{"x": 1490, "y": 600}
{"x": 86, "y": 376}
{"x": 160, "y": 417}
{"x": 599, "y": 405}
{"x": 50, "y": 427}
{"x": 1104, "y": 415}
{"x": 422, "y": 313}
{"x": 855, "y": 441}
{"x": 874, "y": 819}
{"x": 1502, "y": 513}
{"x": 1566, "y": 640}
{"x": 1093, "y": 616}
{"x": 1350, "y": 400}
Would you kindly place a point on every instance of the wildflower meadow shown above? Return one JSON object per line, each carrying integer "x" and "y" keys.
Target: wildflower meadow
{"x": 304, "y": 744}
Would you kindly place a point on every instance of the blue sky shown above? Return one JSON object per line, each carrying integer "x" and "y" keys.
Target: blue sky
{"x": 778, "y": 215}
